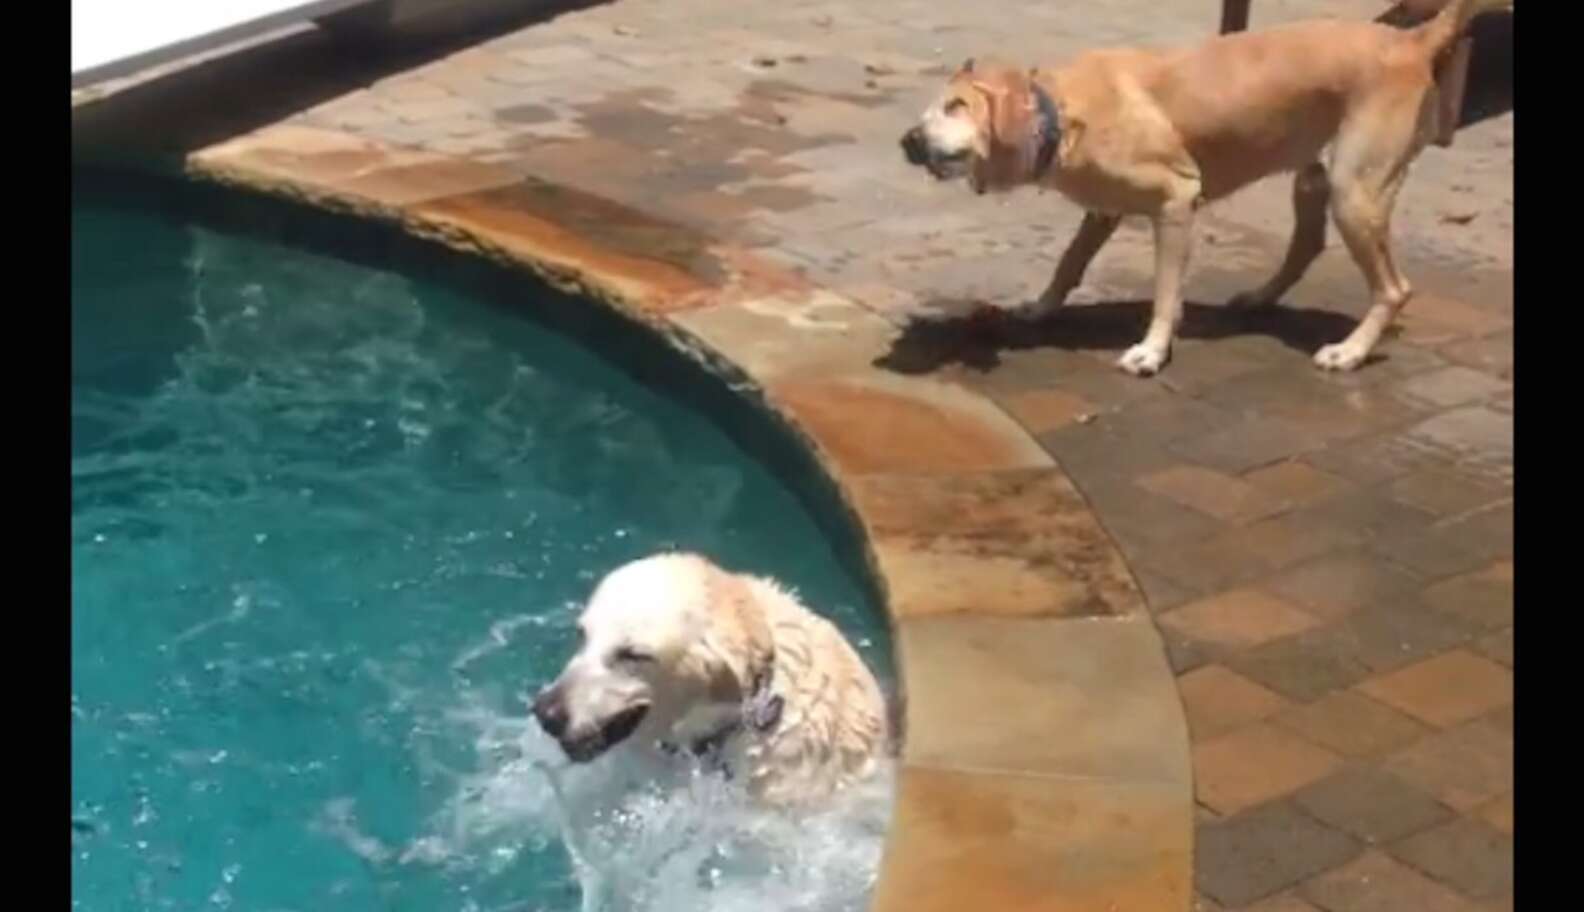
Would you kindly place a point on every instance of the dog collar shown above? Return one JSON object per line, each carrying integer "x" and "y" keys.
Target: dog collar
{"x": 1048, "y": 135}
{"x": 762, "y": 710}
{"x": 761, "y": 713}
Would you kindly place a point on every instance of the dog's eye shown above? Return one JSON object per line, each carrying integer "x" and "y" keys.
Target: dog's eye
{"x": 955, "y": 105}
{"x": 629, "y": 654}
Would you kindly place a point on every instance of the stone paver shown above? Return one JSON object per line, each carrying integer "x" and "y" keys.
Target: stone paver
{"x": 1237, "y": 618}
{"x": 1255, "y": 764}
{"x": 1463, "y": 767}
{"x": 1252, "y": 856}
{"x": 1467, "y": 853}
{"x": 1335, "y": 585}
{"x": 1372, "y": 805}
{"x": 1328, "y": 557}
{"x": 1376, "y": 883}
{"x": 1217, "y": 700}
{"x": 1450, "y": 688}
{"x": 1287, "y": 902}
{"x": 1353, "y": 725}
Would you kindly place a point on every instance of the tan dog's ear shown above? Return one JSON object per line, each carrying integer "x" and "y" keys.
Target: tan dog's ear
{"x": 740, "y": 638}
{"x": 1072, "y": 130}
{"x": 1010, "y": 109}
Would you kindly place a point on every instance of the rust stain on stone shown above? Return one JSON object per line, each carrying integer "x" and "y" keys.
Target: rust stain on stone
{"x": 1028, "y": 527}
{"x": 407, "y": 183}
{"x": 753, "y": 277}
{"x": 866, "y": 429}
{"x": 296, "y": 156}
{"x": 342, "y": 171}
{"x": 666, "y": 266}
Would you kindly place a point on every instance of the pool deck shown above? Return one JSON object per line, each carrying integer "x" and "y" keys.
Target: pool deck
{"x": 1236, "y": 637}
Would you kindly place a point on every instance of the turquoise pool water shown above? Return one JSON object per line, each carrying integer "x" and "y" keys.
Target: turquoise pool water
{"x": 331, "y": 521}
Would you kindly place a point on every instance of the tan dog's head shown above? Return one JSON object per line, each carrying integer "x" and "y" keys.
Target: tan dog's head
{"x": 980, "y": 128}
{"x": 669, "y": 642}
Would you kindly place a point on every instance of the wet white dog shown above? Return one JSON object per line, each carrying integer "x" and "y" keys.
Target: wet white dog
{"x": 679, "y": 654}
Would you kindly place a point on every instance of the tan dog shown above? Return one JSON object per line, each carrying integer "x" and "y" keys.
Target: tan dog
{"x": 1161, "y": 133}
{"x": 679, "y": 653}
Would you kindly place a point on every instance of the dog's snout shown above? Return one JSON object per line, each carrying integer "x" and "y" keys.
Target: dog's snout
{"x": 913, "y": 146}
{"x": 550, "y": 709}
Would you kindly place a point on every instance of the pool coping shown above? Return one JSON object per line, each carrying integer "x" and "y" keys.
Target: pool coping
{"x": 1046, "y": 764}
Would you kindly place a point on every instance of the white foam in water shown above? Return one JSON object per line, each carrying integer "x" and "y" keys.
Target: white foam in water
{"x": 659, "y": 835}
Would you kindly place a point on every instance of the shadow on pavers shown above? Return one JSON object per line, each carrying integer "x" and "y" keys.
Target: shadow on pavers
{"x": 175, "y": 113}
{"x": 977, "y": 341}
{"x": 1490, "y": 80}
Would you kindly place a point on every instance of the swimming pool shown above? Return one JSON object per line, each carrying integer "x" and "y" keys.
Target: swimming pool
{"x": 331, "y": 520}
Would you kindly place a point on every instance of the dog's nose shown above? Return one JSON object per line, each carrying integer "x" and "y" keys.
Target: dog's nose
{"x": 913, "y": 146}
{"x": 550, "y": 710}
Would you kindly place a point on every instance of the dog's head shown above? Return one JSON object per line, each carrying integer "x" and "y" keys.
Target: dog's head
{"x": 981, "y": 128}
{"x": 666, "y": 640}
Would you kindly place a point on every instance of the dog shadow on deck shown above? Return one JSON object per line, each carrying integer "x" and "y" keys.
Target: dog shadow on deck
{"x": 977, "y": 341}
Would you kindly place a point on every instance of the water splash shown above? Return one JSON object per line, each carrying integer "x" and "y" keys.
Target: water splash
{"x": 652, "y": 834}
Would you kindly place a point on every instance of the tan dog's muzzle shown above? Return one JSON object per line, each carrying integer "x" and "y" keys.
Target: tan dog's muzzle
{"x": 589, "y": 738}
{"x": 941, "y": 166}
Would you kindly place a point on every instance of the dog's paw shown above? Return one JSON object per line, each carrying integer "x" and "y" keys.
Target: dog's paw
{"x": 1142, "y": 360}
{"x": 1339, "y": 357}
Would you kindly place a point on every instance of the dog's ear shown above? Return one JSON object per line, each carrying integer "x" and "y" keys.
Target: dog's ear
{"x": 740, "y": 639}
{"x": 1011, "y": 106}
{"x": 1072, "y": 130}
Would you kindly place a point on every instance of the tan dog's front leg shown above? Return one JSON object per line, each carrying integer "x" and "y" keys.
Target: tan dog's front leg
{"x": 1092, "y": 234}
{"x": 1173, "y": 240}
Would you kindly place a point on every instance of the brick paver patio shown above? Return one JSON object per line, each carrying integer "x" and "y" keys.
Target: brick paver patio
{"x": 1329, "y": 558}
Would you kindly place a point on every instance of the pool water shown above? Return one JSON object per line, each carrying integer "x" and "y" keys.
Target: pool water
{"x": 331, "y": 522}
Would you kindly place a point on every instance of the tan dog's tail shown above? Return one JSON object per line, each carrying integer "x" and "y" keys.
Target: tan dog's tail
{"x": 1438, "y": 34}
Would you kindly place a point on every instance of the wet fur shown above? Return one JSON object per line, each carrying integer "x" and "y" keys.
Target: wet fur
{"x": 712, "y": 636}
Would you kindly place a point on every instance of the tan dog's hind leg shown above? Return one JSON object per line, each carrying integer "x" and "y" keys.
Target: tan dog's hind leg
{"x": 1092, "y": 234}
{"x": 1311, "y": 193}
{"x": 1367, "y": 169}
{"x": 1173, "y": 240}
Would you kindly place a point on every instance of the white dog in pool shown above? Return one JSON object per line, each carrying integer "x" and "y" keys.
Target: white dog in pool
{"x": 679, "y": 654}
